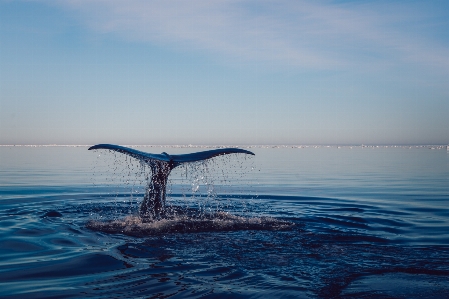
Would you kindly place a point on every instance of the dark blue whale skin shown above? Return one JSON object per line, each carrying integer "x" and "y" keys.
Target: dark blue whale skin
{"x": 153, "y": 204}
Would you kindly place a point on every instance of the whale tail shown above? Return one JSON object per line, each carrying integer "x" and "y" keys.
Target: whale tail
{"x": 153, "y": 204}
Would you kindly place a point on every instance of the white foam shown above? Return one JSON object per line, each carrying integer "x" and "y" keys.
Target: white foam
{"x": 220, "y": 221}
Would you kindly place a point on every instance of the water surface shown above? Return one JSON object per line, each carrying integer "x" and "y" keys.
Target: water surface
{"x": 367, "y": 223}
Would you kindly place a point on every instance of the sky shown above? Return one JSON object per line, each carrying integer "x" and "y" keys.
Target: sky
{"x": 224, "y": 72}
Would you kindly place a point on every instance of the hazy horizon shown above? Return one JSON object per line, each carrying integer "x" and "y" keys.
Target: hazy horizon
{"x": 234, "y": 145}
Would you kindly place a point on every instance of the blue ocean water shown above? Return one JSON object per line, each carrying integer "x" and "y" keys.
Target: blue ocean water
{"x": 366, "y": 222}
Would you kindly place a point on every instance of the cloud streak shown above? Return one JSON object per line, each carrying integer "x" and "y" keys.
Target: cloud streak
{"x": 305, "y": 34}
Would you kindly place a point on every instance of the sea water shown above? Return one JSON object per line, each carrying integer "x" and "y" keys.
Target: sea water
{"x": 363, "y": 222}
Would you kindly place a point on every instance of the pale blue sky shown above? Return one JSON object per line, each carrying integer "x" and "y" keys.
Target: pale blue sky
{"x": 224, "y": 72}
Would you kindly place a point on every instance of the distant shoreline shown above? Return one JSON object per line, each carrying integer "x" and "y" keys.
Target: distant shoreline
{"x": 430, "y": 146}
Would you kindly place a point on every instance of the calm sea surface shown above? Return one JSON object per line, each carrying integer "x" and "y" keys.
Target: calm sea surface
{"x": 363, "y": 222}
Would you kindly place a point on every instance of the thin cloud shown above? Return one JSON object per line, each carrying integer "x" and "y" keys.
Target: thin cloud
{"x": 307, "y": 34}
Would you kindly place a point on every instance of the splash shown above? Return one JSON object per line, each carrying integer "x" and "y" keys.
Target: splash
{"x": 187, "y": 223}
{"x": 161, "y": 165}
{"x": 201, "y": 196}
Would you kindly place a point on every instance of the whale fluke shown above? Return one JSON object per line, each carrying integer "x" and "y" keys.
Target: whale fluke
{"x": 153, "y": 204}
{"x": 175, "y": 159}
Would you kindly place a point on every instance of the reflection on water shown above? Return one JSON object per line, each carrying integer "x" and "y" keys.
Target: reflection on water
{"x": 368, "y": 223}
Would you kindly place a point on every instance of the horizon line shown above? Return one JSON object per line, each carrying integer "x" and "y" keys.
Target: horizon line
{"x": 235, "y": 145}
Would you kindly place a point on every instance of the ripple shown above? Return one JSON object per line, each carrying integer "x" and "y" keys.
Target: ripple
{"x": 398, "y": 285}
{"x": 52, "y": 214}
{"x": 18, "y": 246}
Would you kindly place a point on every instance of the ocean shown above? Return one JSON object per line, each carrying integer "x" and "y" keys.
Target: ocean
{"x": 289, "y": 222}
